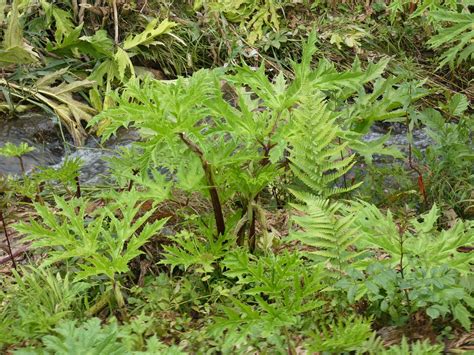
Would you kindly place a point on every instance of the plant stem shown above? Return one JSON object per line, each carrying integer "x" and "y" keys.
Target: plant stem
{"x": 22, "y": 166}
{"x": 7, "y": 237}
{"x": 78, "y": 187}
{"x": 342, "y": 158}
{"x": 252, "y": 229}
{"x": 402, "y": 267}
{"x": 412, "y": 166}
{"x": 216, "y": 204}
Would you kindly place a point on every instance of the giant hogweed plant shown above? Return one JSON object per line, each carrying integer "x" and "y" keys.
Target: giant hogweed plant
{"x": 96, "y": 245}
{"x": 231, "y": 141}
{"x": 275, "y": 293}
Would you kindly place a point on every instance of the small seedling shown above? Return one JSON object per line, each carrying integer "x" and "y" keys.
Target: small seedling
{"x": 11, "y": 150}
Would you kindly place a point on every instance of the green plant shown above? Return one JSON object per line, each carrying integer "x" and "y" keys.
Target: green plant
{"x": 11, "y": 150}
{"x": 317, "y": 159}
{"x": 190, "y": 251}
{"x": 250, "y": 14}
{"x": 343, "y": 335}
{"x": 459, "y": 37}
{"x": 397, "y": 7}
{"x": 278, "y": 291}
{"x": 67, "y": 175}
{"x": 15, "y": 49}
{"x": 118, "y": 65}
{"x": 94, "y": 338}
{"x": 38, "y": 300}
{"x": 233, "y": 151}
{"x": 87, "y": 338}
{"x": 327, "y": 231}
{"x": 101, "y": 247}
{"x": 450, "y": 158}
{"x": 387, "y": 101}
{"x": 417, "y": 348}
{"x": 423, "y": 269}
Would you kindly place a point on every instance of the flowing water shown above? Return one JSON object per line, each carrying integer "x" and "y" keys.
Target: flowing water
{"x": 52, "y": 147}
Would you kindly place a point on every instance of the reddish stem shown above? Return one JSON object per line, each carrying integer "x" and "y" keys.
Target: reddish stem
{"x": 7, "y": 237}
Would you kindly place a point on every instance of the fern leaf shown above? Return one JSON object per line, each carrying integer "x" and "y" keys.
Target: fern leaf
{"x": 327, "y": 231}
{"x": 315, "y": 159}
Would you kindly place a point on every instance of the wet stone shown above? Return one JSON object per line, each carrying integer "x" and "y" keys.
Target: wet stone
{"x": 39, "y": 131}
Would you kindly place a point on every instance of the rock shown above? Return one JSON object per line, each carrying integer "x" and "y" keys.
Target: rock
{"x": 39, "y": 131}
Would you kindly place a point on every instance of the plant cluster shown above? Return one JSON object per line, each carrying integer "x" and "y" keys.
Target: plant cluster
{"x": 181, "y": 253}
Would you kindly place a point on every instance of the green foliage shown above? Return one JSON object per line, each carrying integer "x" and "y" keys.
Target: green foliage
{"x": 88, "y": 338}
{"x": 220, "y": 153}
{"x": 14, "y": 49}
{"x": 118, "y": 65}
{"x": 62, "y": 21}
{"x": 11, "y": 150}
{"x": 279, "y": 291}
{"x": 417, "y": 348}
{"x": 343, "y": 335}
{"x": 316, "y": 159}
{"x": 103, "y": 246}
{"x": 329, "y": 233}
{"x": 254, "y": 16}
{"x": 37, "y": 301}
{"x": 423, "y": 268}
{"x": 387, "y": 101}
{"x": 458, "y": 36}
{"x": 189, "y": 251}
{"x": 422, "y": 242}
{"x": 450, "y": 159}
{"x": 236, "y": 151}
{"x": 67, "y": 175}
{"x": 91, "y": 337}
{"x": 398, "y": 7}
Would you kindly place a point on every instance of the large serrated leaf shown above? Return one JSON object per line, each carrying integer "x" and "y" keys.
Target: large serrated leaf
{"x": 147, "y": 37}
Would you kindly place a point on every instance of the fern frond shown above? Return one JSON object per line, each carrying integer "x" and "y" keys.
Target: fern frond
{"x": 343, "y": 335}
{"x": 315, "y": 158}
{"x": 326, "y": 230}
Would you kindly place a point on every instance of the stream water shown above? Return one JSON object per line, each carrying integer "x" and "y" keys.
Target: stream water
{"x": 52, "y": 147}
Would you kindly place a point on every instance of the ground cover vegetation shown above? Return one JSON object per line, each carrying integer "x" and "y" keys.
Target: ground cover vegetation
{"x": 253, "y": 214}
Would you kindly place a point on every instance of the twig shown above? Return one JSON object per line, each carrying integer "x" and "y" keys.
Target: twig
{"x": 401, "y": 232}
{"x": 342, "y": 158}
{"x": 116, "y": 30}
{"x": 74, "y": 8}
{"x": 14, "y": 254}
{"x": 82, "y": 9}
{"x": 7, "y": 237}
{"x": 144, "y": 5}
{"x": 22, "y": 166}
